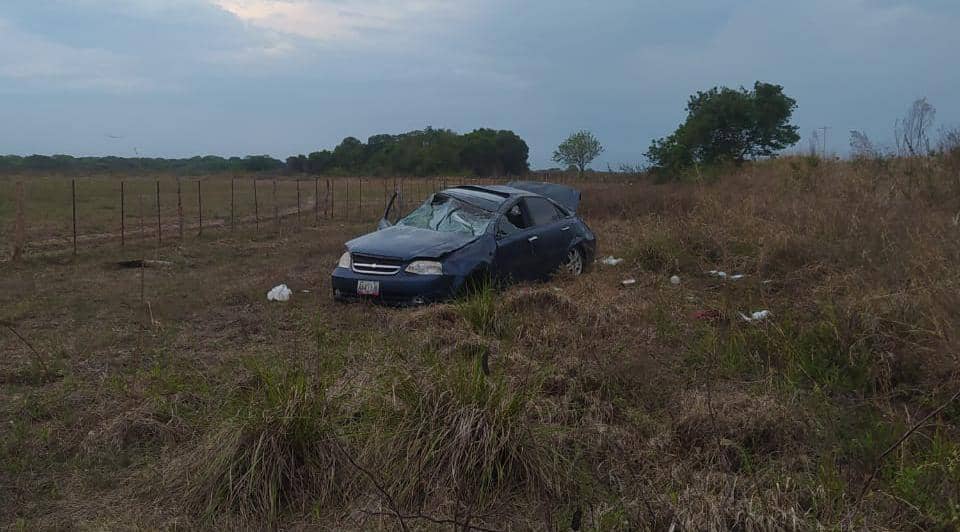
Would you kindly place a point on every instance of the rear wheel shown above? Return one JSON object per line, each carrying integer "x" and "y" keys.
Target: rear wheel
{"x": 573, "y": 264}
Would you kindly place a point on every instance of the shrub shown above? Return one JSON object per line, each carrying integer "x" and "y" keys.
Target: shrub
{"x": 277, "y": 449}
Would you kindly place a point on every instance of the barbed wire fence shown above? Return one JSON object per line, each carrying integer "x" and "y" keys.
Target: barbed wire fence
{"x": 73, "y": 215}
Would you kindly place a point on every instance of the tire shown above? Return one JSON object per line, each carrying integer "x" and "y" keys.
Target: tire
{"x": 573, "y": 264}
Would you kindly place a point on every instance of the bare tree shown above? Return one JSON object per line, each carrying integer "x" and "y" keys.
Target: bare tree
{"x": 913, "y": 131}
{"x": 860, "y": 145}
{"x": 949, "y": 141}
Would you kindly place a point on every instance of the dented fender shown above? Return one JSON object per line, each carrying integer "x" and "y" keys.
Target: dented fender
{"x": 475, "y": 256}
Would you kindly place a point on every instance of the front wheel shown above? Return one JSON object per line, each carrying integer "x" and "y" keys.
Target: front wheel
{"x": 573, "y": 264}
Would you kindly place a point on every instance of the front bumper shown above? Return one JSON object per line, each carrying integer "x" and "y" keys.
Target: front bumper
{"x": 400, "y": 289}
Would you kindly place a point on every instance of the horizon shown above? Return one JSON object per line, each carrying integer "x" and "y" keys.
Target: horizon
{"x": 288, "y": 77}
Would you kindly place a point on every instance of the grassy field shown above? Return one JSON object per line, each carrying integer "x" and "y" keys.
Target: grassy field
{"x": 580, "y": 403}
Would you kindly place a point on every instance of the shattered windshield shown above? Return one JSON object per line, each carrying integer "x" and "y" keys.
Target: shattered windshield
{"x": 449, "y": 215}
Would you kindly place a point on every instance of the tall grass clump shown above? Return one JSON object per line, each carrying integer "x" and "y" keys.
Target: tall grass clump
{"x": 478, "y": 307}
{"x": 457, "y": 437}
{"x": 275, "y": 451}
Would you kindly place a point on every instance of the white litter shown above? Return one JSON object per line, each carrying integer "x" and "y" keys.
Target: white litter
{"x": 760, "y": 315}
{"x": 279, "y": 293}
{"x": 724, "y": 275}
{"x": 675, "y": 280}
{"x": 611, "y": 261}
{"x": 628, "y": 282}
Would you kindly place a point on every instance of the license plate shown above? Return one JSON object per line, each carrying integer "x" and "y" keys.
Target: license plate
{"x": 368, "y": 288}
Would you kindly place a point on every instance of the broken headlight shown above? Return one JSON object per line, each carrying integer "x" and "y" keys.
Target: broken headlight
{"x": 425, "y": 267}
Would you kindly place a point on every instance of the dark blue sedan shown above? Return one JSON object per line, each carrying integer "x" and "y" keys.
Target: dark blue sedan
{"x": 464, "y": 236}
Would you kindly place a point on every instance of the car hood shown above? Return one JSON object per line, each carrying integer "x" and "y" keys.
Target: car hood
{"x": 406, "y": 243}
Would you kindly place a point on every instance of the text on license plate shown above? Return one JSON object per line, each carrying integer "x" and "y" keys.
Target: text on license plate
{"x": 368, "y": 288}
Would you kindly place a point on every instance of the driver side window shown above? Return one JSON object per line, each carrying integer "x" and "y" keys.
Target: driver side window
{"x": 513, "y": 221}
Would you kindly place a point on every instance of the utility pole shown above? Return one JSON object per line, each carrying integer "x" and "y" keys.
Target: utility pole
{"x": 824, "y": 129}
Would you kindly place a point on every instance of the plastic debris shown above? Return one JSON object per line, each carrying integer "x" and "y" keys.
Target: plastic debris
{"x": 726, "y": 276}
{"x": 279, "y": 293}
{"x": 611, "y": 261}
{"x": 760, "y": 315}
{"x": 675, "y": 280}
{"x": 628, "y": 282}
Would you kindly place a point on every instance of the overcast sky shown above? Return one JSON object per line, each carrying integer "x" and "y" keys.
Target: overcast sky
{"x": 235, "y": 77}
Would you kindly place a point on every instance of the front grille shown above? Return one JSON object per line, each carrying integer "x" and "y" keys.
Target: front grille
{"x": 376, "y": 265}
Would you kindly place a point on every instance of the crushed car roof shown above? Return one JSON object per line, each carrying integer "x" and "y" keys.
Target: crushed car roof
{"x": 491, "y": 197}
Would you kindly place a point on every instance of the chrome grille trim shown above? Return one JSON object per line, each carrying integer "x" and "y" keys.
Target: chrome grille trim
{"x": 375, "y": 269}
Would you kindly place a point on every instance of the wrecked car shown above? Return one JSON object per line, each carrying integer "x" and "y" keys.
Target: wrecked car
{"x": 464, "y": 236}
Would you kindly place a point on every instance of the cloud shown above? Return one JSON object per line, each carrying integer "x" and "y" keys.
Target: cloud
{"x": 36, "y": 60}
{"x": 349, "y": 21}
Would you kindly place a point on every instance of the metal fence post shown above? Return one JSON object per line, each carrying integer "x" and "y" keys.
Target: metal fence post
{"x": 159, "y": 226}
{"x": 200, "y": 208}
{"x": 256, "y": 205}
{"x": 73, "y": 187}
{"x": 123, "y": 221}
{"x": 19, "y": 229}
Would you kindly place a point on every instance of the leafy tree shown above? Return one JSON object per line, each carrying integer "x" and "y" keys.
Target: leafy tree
{"x": 261, "y": 163}
{"x": 296, "y": 164}
{"x": 727, "y": 125}
{"x": 349, "y": 155}
{"x": 512, "y": 153}
{"x": 319, "y": 162}
{"x": 579, "y": 150}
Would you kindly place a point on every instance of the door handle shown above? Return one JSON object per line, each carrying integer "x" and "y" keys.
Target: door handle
{"x": 565, "y": 228}
{"x": 533, "y": 238}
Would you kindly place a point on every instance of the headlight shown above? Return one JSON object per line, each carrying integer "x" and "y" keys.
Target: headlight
{"x": 425, "y": 267}
{"x": 345, "y": 261}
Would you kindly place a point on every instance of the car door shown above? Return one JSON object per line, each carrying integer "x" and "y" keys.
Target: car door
{"x": 515, "y": 258}
{"x": 552, "y": 232}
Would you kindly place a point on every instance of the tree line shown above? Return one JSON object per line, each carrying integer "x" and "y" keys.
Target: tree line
{"x": 200, "y": 165}
{"x": 482, "y": 152}
{"x": 427, "y": 152}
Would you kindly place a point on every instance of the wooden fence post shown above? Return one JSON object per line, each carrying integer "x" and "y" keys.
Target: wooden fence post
{"x": 19, "y": 229}
{"x": 200, "y": 208}
{"x": 256, "y": 205}
{"x": 298, "y": 201}
{"x": 143, "y": 234}
{"x": 232, "y": 202}
{"x": 360, "y": 199}
{"x": 179, "y": 209}
{"x": 346, "y": 198}
{"x": 74, "y": 194}
{"x": 329, "y": 212}
{"x": 123, "y": 221}
{"x": 276, "y": 208}
{"x": 159, "y": 226}
{"x": 316, "y": 200}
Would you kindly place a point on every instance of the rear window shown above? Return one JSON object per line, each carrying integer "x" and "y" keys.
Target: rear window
{"x": 542, "y": 212}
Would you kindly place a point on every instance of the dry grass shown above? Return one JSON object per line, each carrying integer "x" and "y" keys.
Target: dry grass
{"x": 579, "y": 402}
